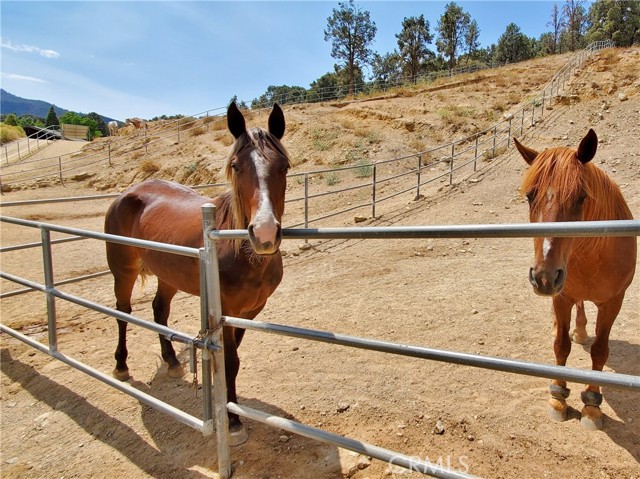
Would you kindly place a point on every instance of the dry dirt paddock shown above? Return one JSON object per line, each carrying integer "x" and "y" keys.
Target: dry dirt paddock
{"x": 464, "y": 295}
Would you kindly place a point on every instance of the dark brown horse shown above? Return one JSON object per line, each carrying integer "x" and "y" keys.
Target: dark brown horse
{"x": 167, "y": 212}
{"x": 562, "y": 184}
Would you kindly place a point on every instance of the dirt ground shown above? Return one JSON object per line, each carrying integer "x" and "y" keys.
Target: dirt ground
{"x": 464, "y": 295}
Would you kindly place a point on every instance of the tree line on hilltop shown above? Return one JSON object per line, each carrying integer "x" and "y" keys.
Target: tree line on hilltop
{"x": 351, "y": 32}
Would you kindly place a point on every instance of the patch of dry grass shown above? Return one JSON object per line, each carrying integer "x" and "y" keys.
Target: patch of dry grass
{"x": 197, "y": 131}
{"x": 491, "y": 154}
{"x": 10, "y": 133}
{"x": 149, "y": 166}
{"x": 417, "y": 144}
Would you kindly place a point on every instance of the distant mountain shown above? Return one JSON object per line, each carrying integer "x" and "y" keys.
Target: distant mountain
{"x": 10, "y": 103}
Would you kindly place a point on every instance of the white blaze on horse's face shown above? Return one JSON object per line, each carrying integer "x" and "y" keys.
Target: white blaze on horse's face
{"x": 548, "y": 242}
{"x": 264, "y": 228}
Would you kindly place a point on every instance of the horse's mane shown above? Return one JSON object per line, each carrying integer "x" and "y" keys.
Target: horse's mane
{"x": 268, "y": 144}
{"x": 559, "y": 169}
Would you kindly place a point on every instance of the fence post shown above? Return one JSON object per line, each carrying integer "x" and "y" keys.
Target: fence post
{"x": 306, "y": 200}
{"x": 49, "y": 285}
{"x": 419, "y": 174}
{"x": 373, "y": 192}
{"x": 28, "y": 145}
{"x": 475, "y": 155}
{"x": 60, "y": 169}
{"x": 110, "y": 153}
{"x": 453, "y": 149}
{"x": 522, "y": 123}
{"x": 533, "y": 111}
{"x": 543, "y": 97}
{"x": 18, "y": 144}
{"x": 509, "y": 133}
{"x": 6, "y": 154}
{"x": 495, "y": 133}
{"x": 213, "y": 330}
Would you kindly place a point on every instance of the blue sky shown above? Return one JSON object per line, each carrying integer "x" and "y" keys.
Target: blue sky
{"x": 147, "y": 58}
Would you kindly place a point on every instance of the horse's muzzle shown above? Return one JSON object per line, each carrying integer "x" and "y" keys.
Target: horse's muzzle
{"x": 265, "y": 241}
{"x": 547, "y": 283}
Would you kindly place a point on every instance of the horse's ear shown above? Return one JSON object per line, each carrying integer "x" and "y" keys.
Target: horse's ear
{"x": 529, "y": 154}
{"x": 235, "y": 121}
{"x": 276, "y": 122}
{"x": 588, "y": 146}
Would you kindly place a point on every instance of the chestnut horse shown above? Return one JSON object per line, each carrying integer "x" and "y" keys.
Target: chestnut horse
{"x": 563, "y": 184}
{"x": 250, "y": 270}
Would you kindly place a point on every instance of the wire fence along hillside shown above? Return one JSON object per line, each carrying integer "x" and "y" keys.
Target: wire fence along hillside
{"x": 362, "y": 186}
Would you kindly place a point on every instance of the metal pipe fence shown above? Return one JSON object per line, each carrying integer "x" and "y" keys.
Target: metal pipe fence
{"x": 597, "y": 228}
{"x": 212, "y": 323}
{"x": 52, "y": 293}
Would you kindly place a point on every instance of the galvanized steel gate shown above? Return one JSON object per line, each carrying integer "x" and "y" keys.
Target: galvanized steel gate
{"x": 215, "y": 405}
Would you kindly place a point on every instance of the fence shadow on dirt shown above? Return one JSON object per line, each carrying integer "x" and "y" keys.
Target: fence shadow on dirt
{"x": 267, "y": 450}
{"x": 102, "y": 426}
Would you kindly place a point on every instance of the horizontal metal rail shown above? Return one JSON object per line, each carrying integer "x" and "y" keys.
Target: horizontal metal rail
{"x": 17, "y": 292}
{"x": 69, "y": 199}
{"x": 506, "y": 230}
{"x": 376, "y": 452}
{"x": 596, "y": 378}
{"x": 153, "y": 245}
{"x": 6, "y": 249}
{"x": 167, "y": 332}
{"x": 122, "y": 386}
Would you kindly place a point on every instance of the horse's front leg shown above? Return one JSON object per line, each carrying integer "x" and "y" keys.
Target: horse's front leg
{"x": 161, "y": 307}
{"x": 591, "y": 396}
{"x": 561, "y": 347}
{"x": 237, "y": 432}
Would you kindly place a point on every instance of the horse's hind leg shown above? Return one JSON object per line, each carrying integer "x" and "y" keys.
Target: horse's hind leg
{"x": 591, "y": 396}
{"x": 580, "y": 335}
{"x": 161, "y": 307}
{"x": 125, "y": 274}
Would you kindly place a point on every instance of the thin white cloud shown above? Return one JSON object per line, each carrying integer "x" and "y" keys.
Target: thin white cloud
{"x": 14, "y": 76}
{"x": 28, "y": 48}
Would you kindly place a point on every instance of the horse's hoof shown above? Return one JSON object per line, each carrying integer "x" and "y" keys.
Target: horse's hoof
{"x": 176, "y": 372}
{"x": 579, "y": 337}
{"x": 591, "y": 418}
{"x": 557, "y": 410}
{"x": 121, "y": 375}
{"x": 238, "y": 436}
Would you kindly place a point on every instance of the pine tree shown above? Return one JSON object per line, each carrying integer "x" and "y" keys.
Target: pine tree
{"x": 52, "y": 118}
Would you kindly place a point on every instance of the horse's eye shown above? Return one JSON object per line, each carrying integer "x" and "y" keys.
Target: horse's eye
{"x": 581, "y": 199}
{"x": 235, "y": 167}
{"x": 531, "y": 196}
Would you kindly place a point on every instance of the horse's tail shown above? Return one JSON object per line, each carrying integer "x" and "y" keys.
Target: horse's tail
{"x": 144, "y": 274}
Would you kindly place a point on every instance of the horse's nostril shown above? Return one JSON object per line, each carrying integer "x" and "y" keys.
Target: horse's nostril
{"x": 559, "y": 277}
{"x": 532, "y": 278}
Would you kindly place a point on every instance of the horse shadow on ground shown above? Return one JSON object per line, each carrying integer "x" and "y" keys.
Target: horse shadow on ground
{"x": 175, "y": 450}
{"x": 269, "y": 452}
{"x": 623, "y": 359}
